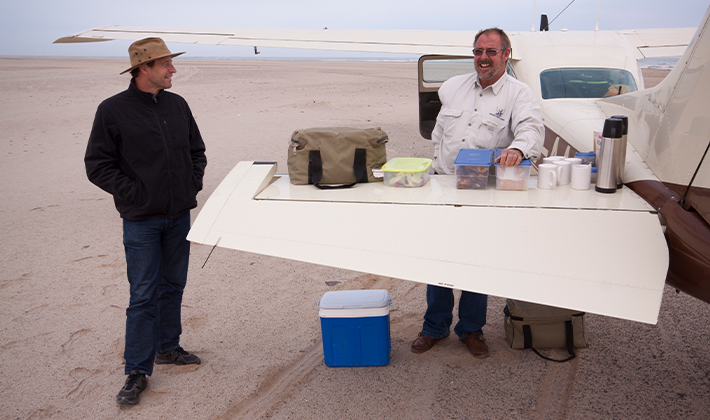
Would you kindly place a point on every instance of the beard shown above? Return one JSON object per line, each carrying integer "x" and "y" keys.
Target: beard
{"x": 488, "y": 73}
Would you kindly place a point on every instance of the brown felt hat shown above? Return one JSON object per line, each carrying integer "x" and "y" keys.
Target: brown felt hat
{"x": 147, "y": 50}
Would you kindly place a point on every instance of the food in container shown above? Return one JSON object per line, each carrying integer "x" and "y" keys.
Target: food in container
{"x": 406, "y": 172}
{"x": 472, "y": 168}
{"x": 513, "y": 177}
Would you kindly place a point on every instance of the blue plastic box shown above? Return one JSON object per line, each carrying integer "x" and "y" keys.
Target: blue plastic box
{"x": 356, "y": 328}
{"x": 472, "y": 167}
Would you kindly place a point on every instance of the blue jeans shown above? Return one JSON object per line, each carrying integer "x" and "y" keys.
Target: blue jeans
{"x": 439, "y": 312}
{"x": 157, "y": 256}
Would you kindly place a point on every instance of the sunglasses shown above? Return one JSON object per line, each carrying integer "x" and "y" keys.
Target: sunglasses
{"x": 489, "y": 52}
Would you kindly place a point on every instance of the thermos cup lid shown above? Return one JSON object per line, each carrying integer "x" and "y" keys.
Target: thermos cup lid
{"x": 613, "y": 128}
{"x": 625, "y": 120}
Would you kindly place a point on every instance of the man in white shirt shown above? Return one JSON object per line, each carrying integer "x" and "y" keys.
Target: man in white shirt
{"x": 489, "y": 110}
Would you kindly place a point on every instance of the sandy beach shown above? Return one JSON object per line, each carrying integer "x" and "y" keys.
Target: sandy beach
{"x": 254, "y": 319}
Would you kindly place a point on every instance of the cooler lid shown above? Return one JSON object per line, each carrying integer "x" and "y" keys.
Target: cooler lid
{"x": 523, "y": 163}
{"x": 474, "y": 157}
{"x": 355, "y": 299}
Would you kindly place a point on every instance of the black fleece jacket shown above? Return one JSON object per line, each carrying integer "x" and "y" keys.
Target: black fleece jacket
{"x": 147, "y": 152}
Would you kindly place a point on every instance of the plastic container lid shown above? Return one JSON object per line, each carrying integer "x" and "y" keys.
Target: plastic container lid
{"x": 584, "y": 154}
{"x": 523, "y": 163}
{"x": 355, "y": 299}
{"x": 474, "y": 157}
{"x": 404, "y": 164}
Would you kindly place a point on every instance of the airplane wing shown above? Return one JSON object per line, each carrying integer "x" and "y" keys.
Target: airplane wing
{"x": 650, "y": 43}
{"x": 599, "y": 253}
{"x": 645, "y": 42}
{"x": 389, "y": 41}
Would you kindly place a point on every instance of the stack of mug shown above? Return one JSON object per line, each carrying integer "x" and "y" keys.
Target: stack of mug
{"x": 559, "y": 170}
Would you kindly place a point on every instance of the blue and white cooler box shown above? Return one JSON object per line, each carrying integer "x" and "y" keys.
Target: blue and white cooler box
{"x": 356, "y": 327}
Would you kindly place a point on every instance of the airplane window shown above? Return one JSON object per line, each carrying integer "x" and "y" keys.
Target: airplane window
{"x": 585, "y": 83}
{"x": 437, "y": 71}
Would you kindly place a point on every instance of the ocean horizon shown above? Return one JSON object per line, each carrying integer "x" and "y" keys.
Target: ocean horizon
{"x": 660, "y": 63}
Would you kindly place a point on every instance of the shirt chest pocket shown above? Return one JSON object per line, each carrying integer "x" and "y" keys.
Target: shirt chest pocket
{"x": 449, "y": 119}
{"x": 492, "y": 134}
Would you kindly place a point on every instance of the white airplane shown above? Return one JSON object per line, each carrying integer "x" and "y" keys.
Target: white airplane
{"x": 609, "y": 254}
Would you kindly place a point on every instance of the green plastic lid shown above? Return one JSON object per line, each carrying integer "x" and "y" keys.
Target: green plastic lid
{"x": 407, "y": 165}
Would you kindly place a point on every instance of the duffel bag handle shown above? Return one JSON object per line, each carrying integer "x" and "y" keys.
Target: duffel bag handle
{"x": 315, "y": 169}
{"x": 569, "y": 342}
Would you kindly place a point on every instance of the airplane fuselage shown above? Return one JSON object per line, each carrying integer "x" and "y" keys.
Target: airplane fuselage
{"x": 666, "y": 140}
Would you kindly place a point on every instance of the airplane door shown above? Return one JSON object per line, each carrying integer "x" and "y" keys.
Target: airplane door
{"x": 433, "y": 71}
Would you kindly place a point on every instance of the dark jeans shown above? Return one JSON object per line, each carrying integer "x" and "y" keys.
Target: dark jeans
{"x": 157, "y": 255}
{"x": 439, "y": 312}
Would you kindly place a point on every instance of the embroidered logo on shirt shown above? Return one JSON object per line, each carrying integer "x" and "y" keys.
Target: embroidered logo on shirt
{"x": 498, "y": 114}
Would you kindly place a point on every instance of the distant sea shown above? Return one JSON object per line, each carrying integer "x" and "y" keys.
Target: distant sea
{"x": 660, "y": 63}
{"x": 402, "y": 58}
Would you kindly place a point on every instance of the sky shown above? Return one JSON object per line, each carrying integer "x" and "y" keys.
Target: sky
{"x": 29, "y": 27}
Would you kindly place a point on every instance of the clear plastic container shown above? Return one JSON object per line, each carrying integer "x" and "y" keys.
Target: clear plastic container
{"x": 513, "y": 177}
{"x": 472, "y": 168}
{"x": 406, "y": 172}
{"x": 587, "y": 157}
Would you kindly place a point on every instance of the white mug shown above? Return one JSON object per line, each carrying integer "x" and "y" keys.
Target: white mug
{"x": 581, "y": 177}
{"x": 564, "y": 171}
{"x": 547, "y": 176}
{"x": 574, "y": 160}
{"x": 552, "y": 159}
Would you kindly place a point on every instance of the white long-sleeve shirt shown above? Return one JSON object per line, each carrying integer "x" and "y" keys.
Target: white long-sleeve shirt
{"x": 503, "y": 115}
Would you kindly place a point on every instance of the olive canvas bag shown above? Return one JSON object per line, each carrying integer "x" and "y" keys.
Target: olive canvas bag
{"x": 337, "y": 156}
{"x": 535, "y": 326}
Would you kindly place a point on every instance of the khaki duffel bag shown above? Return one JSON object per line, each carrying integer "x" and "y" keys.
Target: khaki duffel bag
{"x": 535, "y": 326}
{"x": 336, "y": 155}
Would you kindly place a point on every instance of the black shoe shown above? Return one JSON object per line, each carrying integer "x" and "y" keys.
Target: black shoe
{"x": 176, "y": 357}
{"x": 131, "y": 391}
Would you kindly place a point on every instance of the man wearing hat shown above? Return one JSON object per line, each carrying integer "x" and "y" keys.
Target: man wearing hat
{"x": 145, "y": 149}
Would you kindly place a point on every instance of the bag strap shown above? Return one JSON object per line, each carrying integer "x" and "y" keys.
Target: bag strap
{"x": 569, "y": 341}
{"x": 315, "y": 169}
{"x": 360, "y": 165}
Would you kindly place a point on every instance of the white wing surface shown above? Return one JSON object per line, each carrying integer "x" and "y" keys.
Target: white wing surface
{"x": 650, "y": 43}
{"x": 598, "y": 253}
{"x": 390, "y": 41}
{"x": 646, "y": 42}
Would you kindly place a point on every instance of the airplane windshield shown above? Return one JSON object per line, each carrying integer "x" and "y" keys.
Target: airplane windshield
{"x": 585, "y": 83}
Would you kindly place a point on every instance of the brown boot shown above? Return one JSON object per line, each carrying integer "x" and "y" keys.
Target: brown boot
{"x": 424, "y": 343}
{"x": 476, "y": 345}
